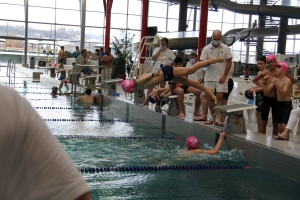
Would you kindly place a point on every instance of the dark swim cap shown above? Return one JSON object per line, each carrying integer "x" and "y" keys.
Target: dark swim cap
{"x": 249, "y": 95}
{"x": 152, "y": 100}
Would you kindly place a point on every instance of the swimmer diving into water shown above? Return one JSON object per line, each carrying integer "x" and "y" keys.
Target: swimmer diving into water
{"x": 166, "y": 73}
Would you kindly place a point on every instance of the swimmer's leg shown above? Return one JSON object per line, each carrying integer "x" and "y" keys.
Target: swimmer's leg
{"x": 184, "y": 71}
{"x": 195, "y": 84}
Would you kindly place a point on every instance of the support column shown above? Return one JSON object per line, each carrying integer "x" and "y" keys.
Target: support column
{"x": 26, "y": 33}
{"x": 182, "y": 21}
{"x": 108, "y": 19}
{"x": 282, "y": 31}
{"x": 203, "y": 25}
{"x": 261, "y": 24}
{"x": 195, "y": 18}
{"x": 249, "y": 25}
{"x": 144, "y": 28}
{"x": 82, "y": 34}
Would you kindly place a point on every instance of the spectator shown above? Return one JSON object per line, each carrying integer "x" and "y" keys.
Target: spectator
{"x": 107, "y": 60}
{"x": 283, "y": 86}
{"x": 199, "y": 74}
{"x": 254, "y": 24}
{"x": 76, "y": 53}
{"x": 181, "y": 89}
{"x": 247, "y": 72}
{"x": 258, "y": 89}
{"x": 83, "y": 59}
{"x": 216, "y": 73}
{"x": 99, "y": 55}
{"x": 61, "y": 56}
{"x": 33, "y": 163}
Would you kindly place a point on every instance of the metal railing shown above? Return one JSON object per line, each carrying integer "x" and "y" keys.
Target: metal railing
{"x": 10, "y": 70}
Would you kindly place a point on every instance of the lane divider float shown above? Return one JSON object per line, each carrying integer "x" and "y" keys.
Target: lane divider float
{"x": 112, "y": 137}
{"x": 88, "y": 120}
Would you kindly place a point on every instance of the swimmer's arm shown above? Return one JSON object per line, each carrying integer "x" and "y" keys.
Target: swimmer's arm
{"x": 292, "y": 78}
{"x": 256, "y": 89}
{"x": 258, "y": 77}
{"x": 166, "y": 91}
{"x": 268, "y": 88}
{"x": 147, "y": 77}
{"x": 146, "y": 100}
{"x": 78, "y": 99}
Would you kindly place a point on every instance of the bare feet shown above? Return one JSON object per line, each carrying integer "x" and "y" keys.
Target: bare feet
{"x": 216, "y": 60}
{"x": 181, "y": 115}
{"x": 210, "y": 93}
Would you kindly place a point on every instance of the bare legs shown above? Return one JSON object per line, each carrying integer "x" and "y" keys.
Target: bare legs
{"x": 259, "y": 122}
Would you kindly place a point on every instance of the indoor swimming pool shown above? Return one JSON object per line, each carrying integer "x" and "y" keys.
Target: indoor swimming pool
{"x": 110, "y": 137}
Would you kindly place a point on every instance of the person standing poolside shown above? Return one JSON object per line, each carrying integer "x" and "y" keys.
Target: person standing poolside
{"x": 76, "y": 53}
{"x": 83, "y": 59}
{"x": 168, "y": 73}
{"x": 87, "y": 98}
{"x": 254, "y": 24}
{"x": 61, "y": 56}
{"x": 283, "y": 86}
{"x": 216, "y": 73}
{"x": 193, "y": 145}
{"x": 199, "y": 74}
{"x": 258, "y": 89}
{"x": 107, "y": 60}
{"x": 161, "y": 56}
{"x": 33, "y": 163}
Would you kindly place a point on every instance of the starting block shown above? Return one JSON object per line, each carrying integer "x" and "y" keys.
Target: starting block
{"x": 52, "y": 71}
{"x": 139, "y": 96}
{"x": 111, "y": 85}
{"x": 91, "y": 81}
{"x": 235, "y": 122}
{"x": 173, "y": 104}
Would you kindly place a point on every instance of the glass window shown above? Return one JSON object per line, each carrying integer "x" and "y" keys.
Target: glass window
{"x": 69, "y": 45}
{"x": 20, "y": 2}
{"x": 119, "y": 6}
{"x": 70, "y": 4}
{"x": 94, "y": 19}
{"x": 134, "y": 22}
{"x": 12, "y": 12}
{"x": 159, "y": 22}
{"x": 173, "y": 11}
{"x": 118, "y": 33}
{"x": 9, "y": 28}
{"x": 71, "y": 33}
{"x": 172, "y": 25}
{"x": 137, "y": 35}
{"x": 135, "y": 7}
{"x": 45, "y": 15}
{"x": 228, "y": 16}
{"x": 157, "y": 9}
{"x": 48, "y": 3}
{"x": 190, "y": 24}
{"x": 16, "y": 49}
{"x": 226, "y": 27}
{"x": 92, "y": 46}
{"x": 289, "y": 45}
{"x": 71, "y": 17}
{"x": 94, "y": 5}
{"x": 239, "y": 18}
{"x": 190, "y": 14}
{"x": 297, "y": 46}
{"x": 118, "y": 21}
{"x": 213, "y": 16}
{"x": 94, "y": 35}
{"x": 41, "y": 30}
{"x": 214, "y": 26}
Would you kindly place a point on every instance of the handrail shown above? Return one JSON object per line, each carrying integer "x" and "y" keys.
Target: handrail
{"x": 11, "y": 69}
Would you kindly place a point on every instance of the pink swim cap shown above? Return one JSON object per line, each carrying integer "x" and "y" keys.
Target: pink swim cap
{"x": 271, "y": 57}
{"x": 192, "y": 142}
{"x": 127, "y": 85}
{"x": 284, "y": 66}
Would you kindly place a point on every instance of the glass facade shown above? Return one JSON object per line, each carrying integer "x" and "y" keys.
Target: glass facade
{"x": 59, "y": 22}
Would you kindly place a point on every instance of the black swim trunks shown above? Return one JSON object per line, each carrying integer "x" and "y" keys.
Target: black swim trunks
{"x": 284, "y": 109}
{"x": 258, "y": 100}
{"x": 168, "y": 72}
{"x": 230, "y": 88}
{"x": 268, "y": 103}
{"x": 61, "y": 60}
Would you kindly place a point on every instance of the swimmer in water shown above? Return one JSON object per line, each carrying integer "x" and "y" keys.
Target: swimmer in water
{"x": 54, "y": 92}
{"x": 167, "y": 73}
{"x": 193, "y": 145}
{"x": 87, "y": 98}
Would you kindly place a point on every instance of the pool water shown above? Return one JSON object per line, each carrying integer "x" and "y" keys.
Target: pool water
{"x": 108, "y": 150}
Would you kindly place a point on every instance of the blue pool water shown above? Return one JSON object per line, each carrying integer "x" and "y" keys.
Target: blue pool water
{"x": 111, "y": 151}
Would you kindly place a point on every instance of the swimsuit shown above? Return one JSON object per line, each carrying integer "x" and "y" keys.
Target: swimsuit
{"x": 258, "y": 100}
{"x": 268, "y": 103}
{"x": 284, "y": 109}
{"x": 168, "y": 72}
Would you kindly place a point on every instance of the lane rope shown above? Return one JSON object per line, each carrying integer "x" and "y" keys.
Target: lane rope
{"x": 112, "y": 137}
{"x": 156, "y": 168}
{"x": 88, "y": 120}
{"x": 64, "y": 108}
